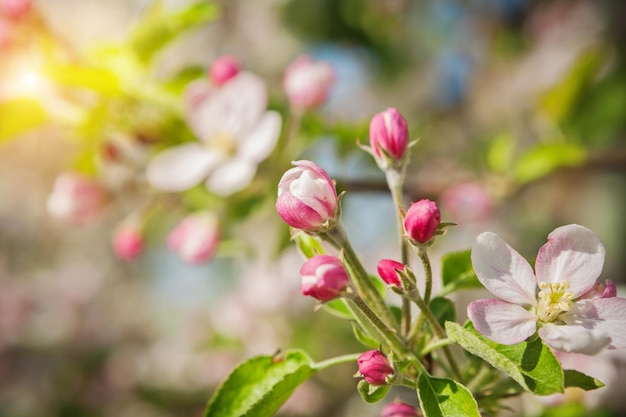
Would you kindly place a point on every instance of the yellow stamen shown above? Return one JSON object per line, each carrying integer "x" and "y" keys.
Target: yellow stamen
{"x": 554, "y": 299}
{"x": 223, "y": 142}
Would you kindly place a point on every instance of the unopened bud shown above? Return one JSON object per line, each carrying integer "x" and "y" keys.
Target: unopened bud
{"x": 307, "y": 198}
{"x": 389, "y": 134}
{"x": 195, "y": 238}
{"x": 422, "y": 220}
{"x": 324, "y": 277}
{"x": 223, "y": 69}
{"x": 307, "y": 82}
{"x": 128, "y": 240}
{"x": 399, "y": 409}
{"x": 374, "y": 367}
{"x": 388, "y": 271}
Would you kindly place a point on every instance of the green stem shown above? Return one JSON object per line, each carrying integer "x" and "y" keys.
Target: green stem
{"x": 337, "y": 360}
{"x": 395, "y": 180}
{"x": 428, "y": 273}
{"x": 435, "y": 345}
{"x": 438, "y": 330}
{"x": 387, "y": 333}
{"x": 365, "y": 288}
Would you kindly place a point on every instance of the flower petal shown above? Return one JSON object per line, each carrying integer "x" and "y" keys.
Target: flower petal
{"x": 502, "y": 322}
{"x": 181, "y": 167}
{"x": 574, "y": 254}
{"x": 503, "y": 271}
{"x": 605, "y": 314}
{"x": 572, "y": 338}
{"x": 260, "y": 142}
{"x": 232, "y": 109}
{"x": 231, "y": 177}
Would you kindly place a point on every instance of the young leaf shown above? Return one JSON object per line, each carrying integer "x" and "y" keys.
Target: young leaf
{"x": 260, "y": 386}
{"x": 457, "y": 272}
{"x": 308, "y": 245}
{"x": 362, "y": 337}
{"x": 443, "y": 309}
{"x": 370, "y": 393}
{"x": 531, "y": 364}
{"x": 442, "y": 397}
{"x": 338, "y": 308}
{"x": 545, "y": 158}
{"x": 19, "y": 115}
{"x": 573, "y": 378}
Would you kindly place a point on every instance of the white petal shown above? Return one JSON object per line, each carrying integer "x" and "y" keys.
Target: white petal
{"x": 194, "y": 98}
{"x": 574, "y": 254}
{"x": 503, "y": 271}
{"x": 232, "y": 109}
{"x": 181, "y": 167}
{"x": 575, "y": 339}
{"x": 502, "y": 322}
{"x": 604, "y": 314}
{"x": 231, "y": 177}
{"x": 260, "y": 142}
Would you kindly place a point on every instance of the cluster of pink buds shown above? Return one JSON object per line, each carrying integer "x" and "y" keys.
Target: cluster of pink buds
{"x": 307, "y": 83}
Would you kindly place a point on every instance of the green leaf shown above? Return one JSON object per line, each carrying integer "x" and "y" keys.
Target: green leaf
{"x": 545, "y": 158}
{"x": 260, "y": 386}
{"x": 308, "y": 245}
{"x": 362, "y": 337}
{"x": 100, "y": 80}
{"x": 500, "y": 153}
{"x": 443, "y": 309}
{"x": 157, "y": 28}
{"x": 457, "y": 272}
{"x": 443, "y": 397}
{"x": 370, "y": 393}
{"x": 338, "y": 308}
{"x": 18, "y": 116}
{"x": 573, "y": 378}
{"x": 531, "y": 363}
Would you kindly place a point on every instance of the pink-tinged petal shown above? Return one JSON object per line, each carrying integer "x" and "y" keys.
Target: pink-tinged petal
{"x": 233, "y": 109}
{"x": 260, "y": 142}
{"x": 574, "y": 254}
{"x": 502, "y": 322}
{"x": 231, "y": 177}
{"x": 195, "y": 95}
{"x": 503, "y": 271}
{"x": 181, "y": 167}
{"x": 607, "y": 315}
{"x": 572, "y": 338}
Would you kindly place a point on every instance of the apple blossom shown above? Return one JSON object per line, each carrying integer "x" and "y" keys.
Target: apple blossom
{"x": 235, "y": 133}
{"x": 195, "y": 238}
{"x": 223, "y": 69}
{"x": 389, "y": 134}
{"x": 307, "y": 82}
{"x": 422, "y": 220}
{"x": 14, "y": 9}
{"x": 552, "y": 298}
{"x": 324, "y": 277}
{"x": 128, "y": 240}
{"x": 399, "y": 409}
{"x": 374, "y": 367}
{"x": 388, "y": 271}
{"x": 75, "y": 198}
{"x": 307, "y": 198}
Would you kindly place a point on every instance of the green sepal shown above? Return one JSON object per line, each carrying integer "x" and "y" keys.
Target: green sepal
{"x": 372, "y": 393}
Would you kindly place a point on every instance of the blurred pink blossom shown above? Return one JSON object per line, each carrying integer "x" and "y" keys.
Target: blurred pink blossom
{"x": 128, "y": 240}
{"x": 307, "y": 82}
{"x": 14, "y": 9}
{"x": 223, "y": 69}
{"x": 235, "y": 133}
{"x": 467, "y": 202}
{"x": 195, "y": 238}
{"x": 76, "y": 199}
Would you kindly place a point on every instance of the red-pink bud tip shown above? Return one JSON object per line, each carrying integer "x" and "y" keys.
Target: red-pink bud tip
{"x": 374, "y": 367}
{"x": 421, "y": 221}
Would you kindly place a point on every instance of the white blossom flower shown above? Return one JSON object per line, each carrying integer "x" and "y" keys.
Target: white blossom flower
{"x": 553, "y": 299}
{"x": 235, "y": 132}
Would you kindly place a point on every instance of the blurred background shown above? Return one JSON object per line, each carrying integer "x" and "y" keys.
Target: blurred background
{"x": 519, "y": 105}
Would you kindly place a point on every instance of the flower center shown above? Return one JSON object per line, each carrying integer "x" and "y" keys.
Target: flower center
{"x": 224, "y": 143}
{"x": 554, "y": 299}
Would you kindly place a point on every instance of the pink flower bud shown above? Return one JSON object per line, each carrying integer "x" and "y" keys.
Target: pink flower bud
{"x": 223, "y": 69}
{"x": 388, "y": 271}
{"x": 374, "y": 367}
{"x": 324, "y": 277}
{"x": 14, "y": 9}
{"x": 389, "y": 134}
{"x": 399, "y": 409}
{"x": 76, "y": 199}
{"x": 422, "y": 220}
{"x": 307, "y": 82}
{"x": 128, "y": 240}
{"x": 307, "y": 198}
{"x": 606, "y": 290}
{"x": 195, "y": 238}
